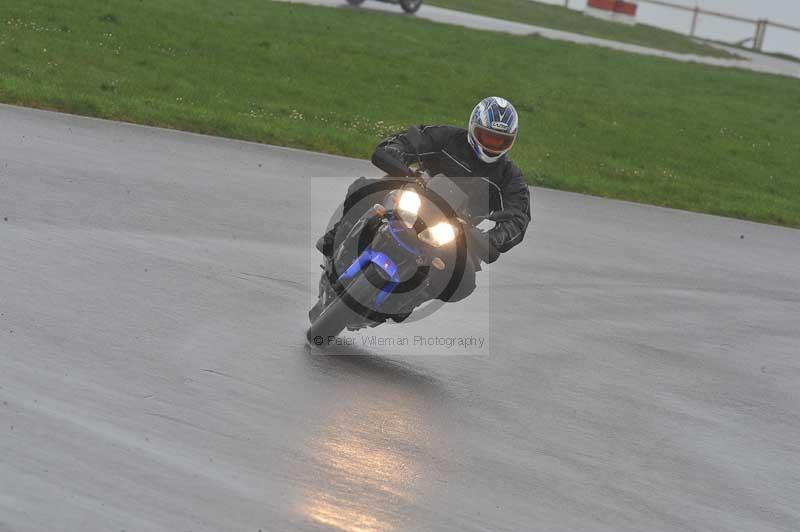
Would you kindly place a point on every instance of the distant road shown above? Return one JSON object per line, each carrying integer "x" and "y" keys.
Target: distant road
{"x": 643, "y": 369}
{"x": 751, "y": 61}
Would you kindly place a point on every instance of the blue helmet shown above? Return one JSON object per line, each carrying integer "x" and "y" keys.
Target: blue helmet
{"x": 492, "y": 128}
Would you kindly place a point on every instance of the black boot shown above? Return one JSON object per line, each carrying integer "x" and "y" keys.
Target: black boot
{"x": 325, "y": 245}
{"x": 326, "y": 241}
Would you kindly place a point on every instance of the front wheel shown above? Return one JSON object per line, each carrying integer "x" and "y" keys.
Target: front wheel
{"x": 410, "y": 6}
{"x": 355, "y": 2}
{"x": 335, "y": 317}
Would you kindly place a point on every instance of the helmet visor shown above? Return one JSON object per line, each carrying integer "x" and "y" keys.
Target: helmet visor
{"x": 493, "y": 141}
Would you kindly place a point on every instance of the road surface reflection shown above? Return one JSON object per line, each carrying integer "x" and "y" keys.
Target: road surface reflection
{"x": 367, "y": 457}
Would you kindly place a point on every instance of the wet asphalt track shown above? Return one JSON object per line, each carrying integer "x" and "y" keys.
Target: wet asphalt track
{"x": 643, "y": 371}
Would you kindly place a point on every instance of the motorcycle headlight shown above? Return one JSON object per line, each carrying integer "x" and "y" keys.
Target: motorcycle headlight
{"x": 438, "y": 235}
{"x": 409, "y": 202}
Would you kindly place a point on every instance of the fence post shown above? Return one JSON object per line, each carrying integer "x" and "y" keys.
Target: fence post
{"x": 566, "y": 3}
{"x": 694, "y": 20}
{"x": 755, "y": 37}
{"x": 761, "y": 30}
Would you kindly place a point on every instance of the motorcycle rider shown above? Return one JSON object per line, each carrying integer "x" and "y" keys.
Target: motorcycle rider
{"x": 478, "y": 152}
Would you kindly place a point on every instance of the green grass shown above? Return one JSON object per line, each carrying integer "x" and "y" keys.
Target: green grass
{"x": 562, "y": 18}
{"x": 593, "y": 120}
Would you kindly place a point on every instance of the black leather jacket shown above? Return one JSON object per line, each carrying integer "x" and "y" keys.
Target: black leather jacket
{"x": 445, "y": 150}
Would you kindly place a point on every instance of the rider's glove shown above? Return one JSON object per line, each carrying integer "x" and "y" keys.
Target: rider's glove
{"x": 480, "y": 246}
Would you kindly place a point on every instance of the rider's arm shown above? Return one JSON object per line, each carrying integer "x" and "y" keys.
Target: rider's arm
{"x": 395, "y": 154}
{"x": 516, "y": 215}
{"x": 389, "y": 159}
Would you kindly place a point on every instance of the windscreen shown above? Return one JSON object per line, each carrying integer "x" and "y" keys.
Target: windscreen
{"x": 449, "y": 191}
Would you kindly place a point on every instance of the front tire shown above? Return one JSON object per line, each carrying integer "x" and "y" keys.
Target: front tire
{"x": 410, "y": 6}
{"x": 335, "y": 317}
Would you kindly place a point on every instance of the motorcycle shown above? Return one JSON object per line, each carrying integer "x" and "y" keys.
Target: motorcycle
{"x": 409, "y": 6}
{"x": 410, "y": 248}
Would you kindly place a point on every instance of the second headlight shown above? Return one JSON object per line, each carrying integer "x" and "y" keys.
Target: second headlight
{"x": 438, "y": 235}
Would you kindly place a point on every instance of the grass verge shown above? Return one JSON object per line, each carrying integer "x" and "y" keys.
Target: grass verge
{"x": 721, "y": 141}
{"x": 562, "y": 18}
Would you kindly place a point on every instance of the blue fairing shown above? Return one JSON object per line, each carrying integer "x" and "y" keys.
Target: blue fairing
{"x": 382, "y": 261}
{"x": 395, "y": 229}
